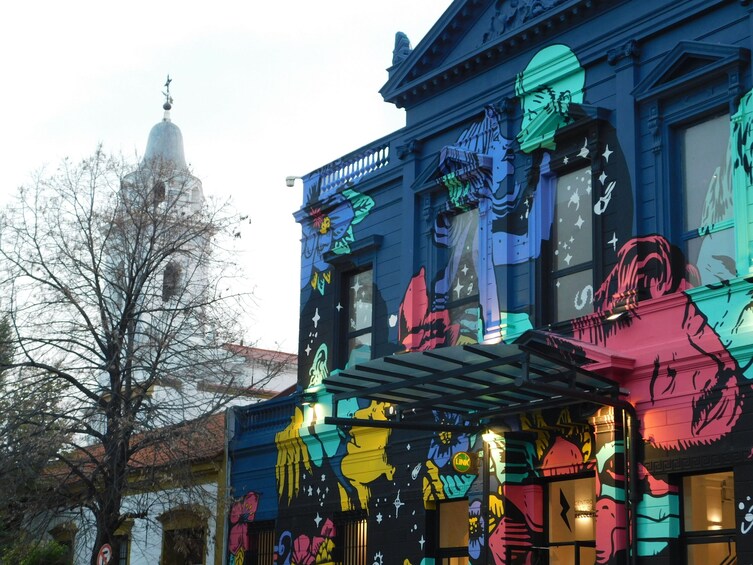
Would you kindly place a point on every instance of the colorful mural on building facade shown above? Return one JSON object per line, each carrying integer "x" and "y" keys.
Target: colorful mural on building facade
{"x": 500, "y": 220}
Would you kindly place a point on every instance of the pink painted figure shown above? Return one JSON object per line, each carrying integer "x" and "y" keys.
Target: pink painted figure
{"x": 419, "y": 328}
{"x": 686, "y": 391}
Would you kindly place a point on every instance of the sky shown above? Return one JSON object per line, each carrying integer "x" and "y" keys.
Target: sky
{"x": 261, "y": 90}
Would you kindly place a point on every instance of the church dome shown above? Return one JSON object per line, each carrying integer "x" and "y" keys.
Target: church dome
{"x": 166, "y": 142}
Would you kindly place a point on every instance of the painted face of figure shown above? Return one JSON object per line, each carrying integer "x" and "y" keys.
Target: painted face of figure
{"x": 551, "y": 81}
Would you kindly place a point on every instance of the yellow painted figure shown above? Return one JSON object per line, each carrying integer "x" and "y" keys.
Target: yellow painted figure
{"x": 366, "y": 459}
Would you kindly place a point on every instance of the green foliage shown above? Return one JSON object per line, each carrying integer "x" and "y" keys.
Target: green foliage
{"x": 27, "y": 552}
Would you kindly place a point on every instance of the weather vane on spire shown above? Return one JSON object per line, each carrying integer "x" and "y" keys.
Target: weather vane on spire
{"x": 168, "y": 99}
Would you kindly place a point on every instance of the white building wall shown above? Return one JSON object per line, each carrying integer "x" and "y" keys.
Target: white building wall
{"x": 146, "y": 534}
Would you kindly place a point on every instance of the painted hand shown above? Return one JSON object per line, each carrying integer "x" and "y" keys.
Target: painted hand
{"x": 433, "y": 488}
{"x": 292, "y": 456}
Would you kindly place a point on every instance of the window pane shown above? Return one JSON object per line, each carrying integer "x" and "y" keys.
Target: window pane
{"x": 704, "y": 156}
{"x": 123, "y": 550}
{"x": 464, "y": 245}
{"x": 712, "y": 553}
{"x": 571, "y": 512}
{"x": 453, "y": 524}
{"x": 184, "y": 547}
{"x": 458, "y": 282}
{"x": 572, "y": 232}
{"x": 354, "y": 538}
{"x": 468, "y": 318}
{"x": 709, "y": 502}
{"x": 359, "y": 349}
{"x": 574, "y": 295}
{"x": 360, "y": 301}
{"x": 261, "y": 546}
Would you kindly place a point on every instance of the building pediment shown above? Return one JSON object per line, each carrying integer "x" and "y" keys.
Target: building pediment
{"x": 475, "y": 35}
{"x": 687, "y": 63}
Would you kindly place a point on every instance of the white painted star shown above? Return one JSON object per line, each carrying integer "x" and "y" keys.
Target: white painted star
{"x": 568, "y": 258}
{"x": 324, "y": 477}
{"x": 339, "y": 307}
{"x": 311, "y": 491}
{"x": 464, "y": 269}
{"x": 307, "y": 350}
{"x": 421, "y": 542}
{"x": 602, "y": 177}
{"x": 584, "y": 150}
{"x": 393, "y": 320}
{"x": 398, "y": 503}
{"x": 607, "y": 153}
{"x": 574, "y": 199}
{"x": 318, "y": 519}
{"x": 458, "y": 288}
{"x": 316, "y": 317}
{"x": 580, "y": 222}
{"x": 565, "y": 160}
{"x": 356, "y": 287}
{"x": 407, "y": 447}
{"x": 379, "y": 518}
{"x": 613, "y": 241}
{"x": 557, "y": 284}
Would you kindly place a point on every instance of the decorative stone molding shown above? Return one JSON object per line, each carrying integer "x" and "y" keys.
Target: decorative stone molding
{"x": 628, "y": 50}
{"x": 411, "y": 147}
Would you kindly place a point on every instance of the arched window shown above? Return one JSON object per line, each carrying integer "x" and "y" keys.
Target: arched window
{"x": 171, "y": 280}
{"x": 65, "y": 535}
{"x": 184, "y": 535}
{"x": 158, "y": 192}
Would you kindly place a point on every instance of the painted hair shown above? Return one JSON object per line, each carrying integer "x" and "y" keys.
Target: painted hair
{"x": 647, "y": 267}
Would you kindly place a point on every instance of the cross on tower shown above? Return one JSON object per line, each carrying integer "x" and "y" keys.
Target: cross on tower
{"x": 168, "y": 98}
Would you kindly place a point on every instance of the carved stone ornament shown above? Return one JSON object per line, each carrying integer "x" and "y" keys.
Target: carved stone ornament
{"x": 512, "y": 14}
{"x": 629, "y": 50}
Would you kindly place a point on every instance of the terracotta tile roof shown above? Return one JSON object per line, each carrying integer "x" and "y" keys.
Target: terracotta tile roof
{"x": 185, "y": 443}
{"x": 257, "y": 353}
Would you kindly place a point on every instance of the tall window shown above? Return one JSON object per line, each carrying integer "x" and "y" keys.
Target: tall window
{"x": 171, "y": 280}
{"x": 709, "y": 518}
{"x": 351, "y": 543}
{"x": 359, "y": 301}
{"x": 65, "y": 535}
{"x": 707, "y": 222}
{"x": 261, "y": 549}
{"x": 183, "y": 537}
{"x": 457, "y": 288}
{"x": 572, "y": 246}
{"x": 123, "y": 547}
{"x": 158, "y": 192}
{"x": 572, "y": 521}
{"x": 453, "y": 533}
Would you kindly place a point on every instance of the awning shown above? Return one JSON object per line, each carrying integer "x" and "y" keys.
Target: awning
{"x": 480, "y": 380}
